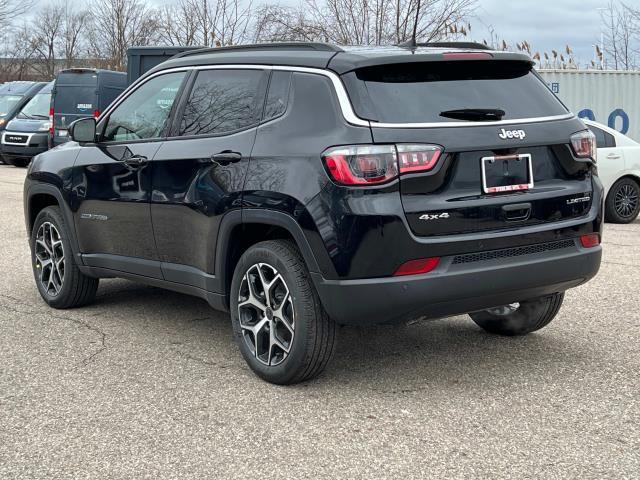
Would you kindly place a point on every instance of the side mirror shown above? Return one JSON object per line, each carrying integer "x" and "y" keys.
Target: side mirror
{"x": 83, "y": 130}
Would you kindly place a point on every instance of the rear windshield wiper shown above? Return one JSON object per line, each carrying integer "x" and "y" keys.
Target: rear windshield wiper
{"x": 474, "y": 114}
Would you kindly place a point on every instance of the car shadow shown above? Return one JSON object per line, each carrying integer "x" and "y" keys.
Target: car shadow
{"x": 385, "y": 359}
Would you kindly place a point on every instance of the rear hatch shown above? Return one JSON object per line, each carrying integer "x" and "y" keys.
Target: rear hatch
{"x": 506, "y": 158}
{"x": 76, "y": 96}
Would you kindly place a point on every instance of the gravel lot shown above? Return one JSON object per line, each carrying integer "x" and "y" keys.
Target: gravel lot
{"x": 146, "y": 383}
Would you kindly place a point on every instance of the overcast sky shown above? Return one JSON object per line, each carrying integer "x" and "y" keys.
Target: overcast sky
{"x": 545, "y": 24}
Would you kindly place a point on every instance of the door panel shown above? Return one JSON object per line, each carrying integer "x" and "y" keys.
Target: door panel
{"x": 112, "y": 215}
{"x": 112, "y": 178}
{"x": 190, "y": 194}
{"x": 611, "y": 163}
{"x": 199, "y": 173}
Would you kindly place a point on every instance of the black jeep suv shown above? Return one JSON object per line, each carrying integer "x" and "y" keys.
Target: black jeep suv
{"x": 300, "y": 186}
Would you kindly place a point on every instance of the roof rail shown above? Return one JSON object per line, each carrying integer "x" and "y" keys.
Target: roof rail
{"x": 471, "y": 45}
{"x": 317, "y": 46}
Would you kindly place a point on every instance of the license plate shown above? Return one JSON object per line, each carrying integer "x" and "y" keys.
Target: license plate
{"x": 62, "y": 133}
{"x": 508, "y": 173}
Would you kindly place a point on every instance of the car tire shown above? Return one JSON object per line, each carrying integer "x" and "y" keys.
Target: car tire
{"x": 623, "y": 201}
{"x": 20, "y": 162}
{"x": 529, "y": 316}
{"x": 281, "y": 328}
{"x": 58, "y": 278}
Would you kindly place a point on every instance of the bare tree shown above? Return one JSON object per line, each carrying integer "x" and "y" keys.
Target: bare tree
{"x": 366, "y": 22}
{"x": 205, "y": 22}
{"x": 177, "y": 24}
{"x": 117, "y": 25}
{"x": 74, "y": 29}
{"x": 621, "y": 32}
{"x": 11, "y": 9}
{"x": 275, "y": 23}
{"x": 45, "y": 34}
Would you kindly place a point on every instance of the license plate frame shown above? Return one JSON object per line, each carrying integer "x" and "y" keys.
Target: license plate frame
{"x": 518, "y": 186}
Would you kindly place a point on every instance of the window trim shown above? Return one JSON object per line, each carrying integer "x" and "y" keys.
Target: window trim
{"x": 343, "y": 98}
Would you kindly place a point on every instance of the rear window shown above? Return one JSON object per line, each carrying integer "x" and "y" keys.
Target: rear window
{"x": 223, "y": 101}
{"x": 77, "y": 78}
{"x": 7, "y": 102}
{"x": 421, "y": 92}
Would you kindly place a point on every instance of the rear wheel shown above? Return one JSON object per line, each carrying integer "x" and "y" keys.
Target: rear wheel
{"x": 623, "y": 201}
{"x": 519, "y": 318}
{"x": 282, "y": 330}
{"x": 60, "y": 283}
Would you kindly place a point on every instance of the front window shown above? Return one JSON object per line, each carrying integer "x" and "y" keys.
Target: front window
{"x": 38, "y": 107}
{"x": 145, "y": 113}
{"x": 7, "y": 102}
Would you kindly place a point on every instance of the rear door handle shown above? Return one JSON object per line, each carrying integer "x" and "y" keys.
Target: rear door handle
{"x": 226, "y": 157}
{"x": 613, "y": 156}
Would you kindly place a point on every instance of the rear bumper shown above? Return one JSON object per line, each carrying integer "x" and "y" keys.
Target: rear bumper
{"x": 457, "y": 288}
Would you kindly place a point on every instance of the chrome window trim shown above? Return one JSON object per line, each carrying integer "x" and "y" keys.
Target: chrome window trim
{"x": 25, "y": 144}
{"x": 343, "y": 98}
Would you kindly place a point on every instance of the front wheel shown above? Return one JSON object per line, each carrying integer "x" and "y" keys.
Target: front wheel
{"x": 59, "y": 280}
{"x": 519, "y": 318}
{"x": 623, "y": 201}
{"x": 20, "y": 162}
{"x": 283, "y": 332}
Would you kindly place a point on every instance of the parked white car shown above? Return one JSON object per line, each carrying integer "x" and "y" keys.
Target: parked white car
{"x": 619, "y": 169}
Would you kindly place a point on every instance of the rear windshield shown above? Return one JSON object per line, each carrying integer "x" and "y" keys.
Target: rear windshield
{"x": 77, "y": 78}
{"x": 422, "y": 92}
{"x": 38, "y": 107}
{"x": 7, "y": 102}
{"x": 75, "y": 100}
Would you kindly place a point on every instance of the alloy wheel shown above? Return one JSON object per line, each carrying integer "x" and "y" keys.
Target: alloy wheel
{"x": 266, "y": 314}
{"x": 49, "y": 253}
{"x": 626, "y": 200}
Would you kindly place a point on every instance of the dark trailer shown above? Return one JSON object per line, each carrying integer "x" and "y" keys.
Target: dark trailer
{"x": 82, "y": 92}
{"x": 142, "y": 59}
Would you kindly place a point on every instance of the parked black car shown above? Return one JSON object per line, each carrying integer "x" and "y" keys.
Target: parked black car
{"x": 81, "y": 93}
{"x": 14, "y": 96}
{"x": 304, "y": 185}
{"x": 28, "y": 133}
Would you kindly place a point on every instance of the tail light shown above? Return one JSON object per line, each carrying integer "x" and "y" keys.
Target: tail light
{"x": 591, "y": 240}
{"x": 377, "y": 164}
{"x": 417, "y": 158}
{"x": 417, "y": 267}
{"x": 51, "y": 116}
{"x": 96, "y": 114}
{"x": 584, "y": 145}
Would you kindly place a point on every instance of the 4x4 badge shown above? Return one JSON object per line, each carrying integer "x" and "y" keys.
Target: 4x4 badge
{"x": 434, "y": 216}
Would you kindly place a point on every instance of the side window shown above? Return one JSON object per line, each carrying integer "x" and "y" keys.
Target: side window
{"x": 278, "y": 95}
{"x": 223, "y": 101}
{"x": 144, "y": 113}
{"x": 601, "y": 140}
{"x": 610, "y": 140}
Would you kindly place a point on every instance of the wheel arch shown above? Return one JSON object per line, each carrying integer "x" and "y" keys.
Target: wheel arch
{"x": 239, "y": 230}
{"x": 40, "y": 196}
